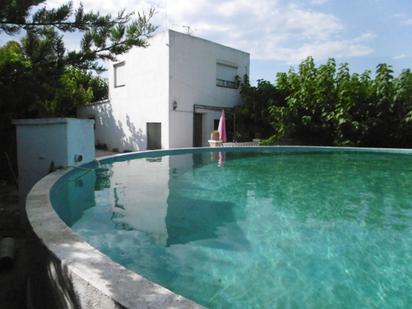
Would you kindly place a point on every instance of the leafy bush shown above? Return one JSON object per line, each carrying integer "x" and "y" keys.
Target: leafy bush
{"x": 327, "y": 105}
{"x": 253, "y": 117}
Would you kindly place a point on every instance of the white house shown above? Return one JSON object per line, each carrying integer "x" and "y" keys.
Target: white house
{"x": 168, "y": 95}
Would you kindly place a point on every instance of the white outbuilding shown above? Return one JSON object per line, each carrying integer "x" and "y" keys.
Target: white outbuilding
{"x": 168, "y": 95}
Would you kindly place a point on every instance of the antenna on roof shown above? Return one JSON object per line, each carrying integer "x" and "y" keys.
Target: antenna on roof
{"x": 188, "y": 31}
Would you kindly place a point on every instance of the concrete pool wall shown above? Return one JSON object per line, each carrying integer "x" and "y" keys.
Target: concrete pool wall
{"x": 72, "y": 274}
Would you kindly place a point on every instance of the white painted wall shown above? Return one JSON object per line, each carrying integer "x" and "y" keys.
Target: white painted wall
{"x": 121, "y": 124}
{"x": 108, "y": 130}
{"x": 43, "y": 141}
{"x": 193, "y": 81}
{"x": 145, "y": 94}
{"x": 175, "y": 67}
{"x": 80, "y": 141}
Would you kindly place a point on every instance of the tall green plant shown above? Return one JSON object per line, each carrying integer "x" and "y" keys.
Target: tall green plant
{"x": 326, "y": 105}
{"x": 253, "y": 118}
{"x": 307, "y": 111}
{"x": 42, "y": 47}
{"x": 34, "y": 83}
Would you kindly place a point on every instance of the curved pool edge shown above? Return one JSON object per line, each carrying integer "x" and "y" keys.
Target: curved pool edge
{"x": 172, "y": 151}
{"x": 71, "y": 273}
{"x": 78, "y": 275}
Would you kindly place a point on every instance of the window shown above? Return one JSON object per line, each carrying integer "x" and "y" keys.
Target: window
{"x": 226, "y": 75}
{"x": 119, "y": 74}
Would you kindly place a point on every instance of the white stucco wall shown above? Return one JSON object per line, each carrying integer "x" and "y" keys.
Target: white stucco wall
{"x": 176, "y": 67}
{"x": 43, "y": 142}
{"x": 193, "y": 81}
{"x": 108, "y": 130}
{"x": 80, "y": 141}
{"x": 121, "y": 124}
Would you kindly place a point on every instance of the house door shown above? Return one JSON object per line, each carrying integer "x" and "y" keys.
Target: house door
{"x": 154, "y": 135}
{"x": 197, "y": 129}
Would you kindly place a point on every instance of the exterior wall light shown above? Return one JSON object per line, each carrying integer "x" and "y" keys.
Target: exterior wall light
{"x": 174, "y": 105}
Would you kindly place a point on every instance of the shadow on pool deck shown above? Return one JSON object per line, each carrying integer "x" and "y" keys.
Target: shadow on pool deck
{"x": 13, "y": 280}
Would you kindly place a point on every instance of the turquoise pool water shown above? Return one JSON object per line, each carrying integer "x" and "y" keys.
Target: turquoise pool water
{"x": 255, "y": 228}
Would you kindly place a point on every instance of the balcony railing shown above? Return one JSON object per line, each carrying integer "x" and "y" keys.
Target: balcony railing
{"x": 226, "y": 83}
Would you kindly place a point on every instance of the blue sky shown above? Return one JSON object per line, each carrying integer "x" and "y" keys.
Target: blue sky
{"x": 279, "y": 34}
{"x": 381, "y": 29}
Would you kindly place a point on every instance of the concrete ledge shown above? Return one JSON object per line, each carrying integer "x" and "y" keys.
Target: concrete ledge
{"x": 46, "y": 121}
{"x": 72, "y": 274}
{"x": 215, "y": 143}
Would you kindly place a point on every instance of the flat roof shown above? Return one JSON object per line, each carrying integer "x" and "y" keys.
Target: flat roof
{"x": 199, "y": 38}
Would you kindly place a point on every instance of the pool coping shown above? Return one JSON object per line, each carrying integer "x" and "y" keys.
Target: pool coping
{"x": 124, "y": 287}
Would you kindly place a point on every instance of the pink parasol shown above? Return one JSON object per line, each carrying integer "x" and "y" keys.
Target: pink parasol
{"x": 222, "y": 127}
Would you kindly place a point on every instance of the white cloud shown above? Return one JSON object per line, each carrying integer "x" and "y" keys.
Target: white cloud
{"x": 407, "y": 21}
{"x": 321, "y": 50}
{"x": 400, "y": 57}
{"x": 318, "y": 2}
{"x": 403, "y": 18}
{"x": 268, "y": 29}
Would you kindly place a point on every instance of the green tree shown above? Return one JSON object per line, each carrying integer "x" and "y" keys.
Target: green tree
{"x": 253, "y": 119}
{"x": 35, "y": 84}
{"x": 307, "y": 113}
{"x": 403, "y": 108}
{"x": 104, "y": 36}
{"x": 46, "y": 59}
{"x": 15, "y": 81}
{"x": 77, "y": 88}
{"x": 326, "y": 105}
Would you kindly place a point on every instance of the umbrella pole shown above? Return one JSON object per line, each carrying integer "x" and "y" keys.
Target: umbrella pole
{"x": 234, "y": 127}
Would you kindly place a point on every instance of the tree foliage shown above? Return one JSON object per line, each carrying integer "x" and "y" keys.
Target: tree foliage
{"x": 327, "y": 105}
{"x": 40, "y": 77}
{"x": 253, "y": 118}
{"x": 104, "y": 36}
{"x": 34, "y": 84}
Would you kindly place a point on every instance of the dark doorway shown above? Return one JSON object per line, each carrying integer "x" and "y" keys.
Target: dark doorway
{"x": 154, "y": 135}
{"x": 197, "y": 129}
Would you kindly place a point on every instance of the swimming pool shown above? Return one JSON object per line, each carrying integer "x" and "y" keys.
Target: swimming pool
{"x": 253, "y": 227}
